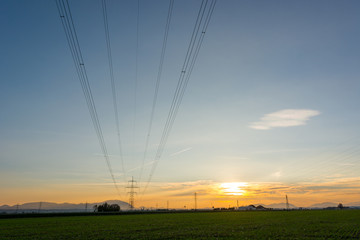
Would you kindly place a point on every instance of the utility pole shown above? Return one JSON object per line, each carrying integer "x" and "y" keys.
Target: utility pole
{"x": 287, "y": 203}
{"x": 132, "y": 186}
{"x": 167, "y": 205}
{"x": 40, "y": 206}
{"x": 237, "y": 204}
{"x": 195, "y": 201}
{"x": 17, "y": 208}
{"x": 86, "y": 205}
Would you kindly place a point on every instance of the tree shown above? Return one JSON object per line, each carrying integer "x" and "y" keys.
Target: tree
{"x": 340, "y": 206}
{"x": 105, "y": 207}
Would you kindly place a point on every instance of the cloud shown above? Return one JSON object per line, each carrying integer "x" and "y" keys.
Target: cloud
{"x": 284, "y": 118}
{"x": 179, "y": 152}
{"x": 172, "y": 186}
{"x": 277, "y": 174}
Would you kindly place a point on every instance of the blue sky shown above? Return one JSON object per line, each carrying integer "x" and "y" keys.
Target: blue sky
{"x": 260, "y": 61}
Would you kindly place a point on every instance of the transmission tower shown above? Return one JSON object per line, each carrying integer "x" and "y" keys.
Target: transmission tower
{"x": 132, "y": 186}
{"x": 287, "y": 203}
{"x": 195, "y": 201}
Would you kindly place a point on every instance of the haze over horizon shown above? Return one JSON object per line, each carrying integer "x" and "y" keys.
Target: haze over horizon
{"x": 270, "y": 108}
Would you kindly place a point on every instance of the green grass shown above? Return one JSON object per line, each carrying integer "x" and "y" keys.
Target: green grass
{"x": 207, "y": 225}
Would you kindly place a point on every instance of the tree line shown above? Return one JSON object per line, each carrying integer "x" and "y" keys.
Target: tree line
{"x": 105, "y": 207}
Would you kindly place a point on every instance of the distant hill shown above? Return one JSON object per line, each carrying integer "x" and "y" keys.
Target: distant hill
{"x": 58, "y": 207}
{"x": 317, "y": 205}
{"x": 280, "y": 205}
{"x": 276, "y": 205}
{"x": 80, "y": 207}
{"x": 324, "y": 205}
{"x": 352, "y": 204}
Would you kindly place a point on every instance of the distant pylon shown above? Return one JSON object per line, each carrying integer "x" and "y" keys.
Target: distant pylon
{"x": 132, "y": 186}
{"x": 195, "y": 201}
{"x": 287, "y": 203}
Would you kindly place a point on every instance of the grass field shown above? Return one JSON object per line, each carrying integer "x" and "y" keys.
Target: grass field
{"x": 207, "y": 225}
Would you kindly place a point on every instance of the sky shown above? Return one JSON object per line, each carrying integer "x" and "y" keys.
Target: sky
{"x": 270, "y": 109}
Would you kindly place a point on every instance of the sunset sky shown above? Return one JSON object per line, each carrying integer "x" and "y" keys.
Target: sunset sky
{"x": 271, "y": 108}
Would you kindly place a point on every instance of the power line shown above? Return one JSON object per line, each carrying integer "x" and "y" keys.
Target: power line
{"x": 326, "y": 162}
{"x": 113, "y": 89}
{"x": 339, "y": 169}
{"x": 136, "y": 69}
{"x": 197, "y": 37}
{"x": 158, "y": 79}
{"x": 74, "y": 46}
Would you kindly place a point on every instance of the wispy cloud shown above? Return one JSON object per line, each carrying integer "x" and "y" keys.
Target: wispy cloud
{"x": 181, "y": 151}
{"x": 277, "y": 174}
{"x": 171, "y": 186}
{"x": 139, "y": 167}
{"x": 284, "y": 118}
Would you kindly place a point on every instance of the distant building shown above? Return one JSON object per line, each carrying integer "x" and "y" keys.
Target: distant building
{"x": 253, "y": 208}
{"x": 261, "y": 208}
{"x": 247, "y": 208}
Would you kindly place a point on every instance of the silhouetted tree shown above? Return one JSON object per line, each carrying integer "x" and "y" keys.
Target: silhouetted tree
{"x": 105, "y": 207}
{"x": 340, "y": 206}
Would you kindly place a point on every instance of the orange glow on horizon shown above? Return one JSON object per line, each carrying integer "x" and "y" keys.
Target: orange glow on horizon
{"x": 177, "y": 195}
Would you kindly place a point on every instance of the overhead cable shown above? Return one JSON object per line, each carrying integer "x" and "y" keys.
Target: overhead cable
{"x": 113, "y": 88}
{"x": 136, "y": 70}
{"x": 201, "y": 25}
{"x": 74, "y": 46}
{"x": 157, "y": 85}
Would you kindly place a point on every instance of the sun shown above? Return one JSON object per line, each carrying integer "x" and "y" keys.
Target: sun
{"x": 233, "y": 188}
